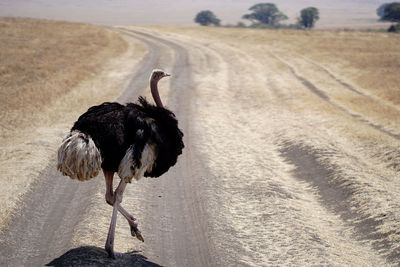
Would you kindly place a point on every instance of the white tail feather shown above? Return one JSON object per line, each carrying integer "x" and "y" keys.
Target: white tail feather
{"x": 78, "y": 157}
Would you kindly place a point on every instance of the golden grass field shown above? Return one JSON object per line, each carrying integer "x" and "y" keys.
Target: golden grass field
{"x": 42, "y": 61}
{"x": 50, "y": 72}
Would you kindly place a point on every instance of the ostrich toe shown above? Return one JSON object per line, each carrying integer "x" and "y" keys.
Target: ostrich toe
{"x": 135, "y": 232}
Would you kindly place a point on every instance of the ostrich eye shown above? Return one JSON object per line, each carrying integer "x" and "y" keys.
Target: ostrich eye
{"x": 158, "y": 75}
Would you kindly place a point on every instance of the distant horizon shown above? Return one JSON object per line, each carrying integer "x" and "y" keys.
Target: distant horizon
{"x": 341, "y": 14}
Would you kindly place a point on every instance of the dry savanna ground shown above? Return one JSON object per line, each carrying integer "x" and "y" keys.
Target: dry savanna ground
{"x": 299, "y": 133}
{"x": 295, "y": 135}
{"x": 50, "y": 72}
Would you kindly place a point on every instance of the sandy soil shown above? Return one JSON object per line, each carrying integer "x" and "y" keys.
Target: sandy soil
{"x": 278, "y": 169}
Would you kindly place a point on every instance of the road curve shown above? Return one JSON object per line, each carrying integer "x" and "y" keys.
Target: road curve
{"x": 42, "y": 233}
{"x": 181, "y": 240}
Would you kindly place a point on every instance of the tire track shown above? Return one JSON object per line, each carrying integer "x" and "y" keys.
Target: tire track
{"x": 333, "y": 76}
{"x": 347, "y": 85}
{"x": 238, "y": 123}
{"x": 45, "y": 223}
{"x": 244, "y": 101}
{"x": 318, "y": 92}
{"x": 181, "y": 241}
{"x": 337, "y": 194}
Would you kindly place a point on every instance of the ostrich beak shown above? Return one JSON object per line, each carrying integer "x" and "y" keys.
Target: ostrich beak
{"x": 166, "y": 74}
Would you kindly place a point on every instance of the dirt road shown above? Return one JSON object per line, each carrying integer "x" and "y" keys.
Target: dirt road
{"x": 277, "y": 170}
{"x": 56, "y": 206}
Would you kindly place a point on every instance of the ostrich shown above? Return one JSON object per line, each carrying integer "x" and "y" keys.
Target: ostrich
{"x": 133, "y": 140}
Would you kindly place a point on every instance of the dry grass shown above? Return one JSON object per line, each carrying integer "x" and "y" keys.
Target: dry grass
{"x": 42, "y": 60}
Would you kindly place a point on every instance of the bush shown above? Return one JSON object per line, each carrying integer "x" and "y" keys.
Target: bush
{"x": 308, "y": 17}
{"x": 206, "y": 18}
{"x": 394, "y": 28}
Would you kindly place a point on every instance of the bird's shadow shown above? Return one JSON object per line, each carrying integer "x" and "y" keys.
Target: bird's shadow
{"x": 94, "y": 256}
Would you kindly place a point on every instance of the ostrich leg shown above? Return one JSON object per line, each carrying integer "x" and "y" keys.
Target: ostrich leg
{"x": 109, "y": 176}
{"x": 110, "y": 199}
{"x": 131, "y": 220}
{"x": 111, "y": 232}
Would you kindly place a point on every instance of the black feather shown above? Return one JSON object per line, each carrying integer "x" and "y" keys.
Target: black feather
{"x": 115, "y": 127}
{"x": 167, "y": 136}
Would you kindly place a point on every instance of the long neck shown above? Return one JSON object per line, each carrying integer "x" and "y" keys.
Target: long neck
{"x": 155, "y": 94}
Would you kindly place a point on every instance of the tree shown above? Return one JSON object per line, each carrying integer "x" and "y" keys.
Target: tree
{"x": 391, "y": 12}
{"x": 380, "y": 11}
{"x": 206, "y": 17}
{"x": 265, "y": 13}
{"x": 308, "y": 17}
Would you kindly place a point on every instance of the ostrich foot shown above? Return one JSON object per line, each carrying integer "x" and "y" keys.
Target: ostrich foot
{"x": 134, "y": 228}
{"x": 135, "y": 232}
{"x": 132, "y": 223}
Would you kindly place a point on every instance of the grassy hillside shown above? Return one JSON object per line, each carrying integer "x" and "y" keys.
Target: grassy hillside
{"x": 42, "y": 60}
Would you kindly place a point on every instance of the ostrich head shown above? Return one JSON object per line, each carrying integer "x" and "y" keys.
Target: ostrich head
{"x": 157, "y": 75}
